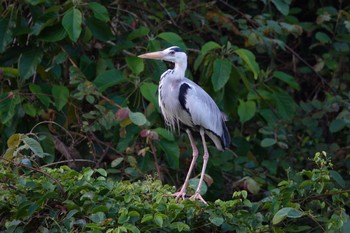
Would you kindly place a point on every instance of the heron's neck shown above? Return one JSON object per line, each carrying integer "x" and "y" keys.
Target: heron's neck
{"x": 180, "y": 69}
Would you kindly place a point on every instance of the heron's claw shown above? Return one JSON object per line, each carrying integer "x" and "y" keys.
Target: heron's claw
{"x": 179, "y": 195}
{"x": 197, "y": 196}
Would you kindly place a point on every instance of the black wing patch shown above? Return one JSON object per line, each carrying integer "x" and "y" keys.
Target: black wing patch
{"x": 182, "y": 96}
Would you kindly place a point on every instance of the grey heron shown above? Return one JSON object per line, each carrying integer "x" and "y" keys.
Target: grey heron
{"x": 183, "y": 101}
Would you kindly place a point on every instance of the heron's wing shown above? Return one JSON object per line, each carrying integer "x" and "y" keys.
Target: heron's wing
{"x": 203, "y": 111}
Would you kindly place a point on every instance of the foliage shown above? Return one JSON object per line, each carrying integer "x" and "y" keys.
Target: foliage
{"x": 93, "y": 202}
{"x": 73, "y": 91}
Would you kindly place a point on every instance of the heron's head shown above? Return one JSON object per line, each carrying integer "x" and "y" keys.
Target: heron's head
{"x": 172, "y": 54}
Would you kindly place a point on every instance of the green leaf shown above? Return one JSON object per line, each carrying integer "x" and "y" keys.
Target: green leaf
{"x": 207, "y": 47}
{"x": 34, "y": 146}
{"x": 8, "y": 105}
{"x": 100, "y": 12}
{"x": 287, "y": 79}
{"x": 6, "y": 35}
{"x": 172, "y": 153}
{"x": 102, "y": 172}
{"x": 98, "y": 217}
{"x": 131, "y": 228}
{"x": 285, "y": 105}
{"x": 60, "y": 94}
{"x": 249, "y": 59}
{"x": 286, "y": 212}
{"x": 99, "y": 29}
{"x": 193, "y": 183}
{"x": 37, "y": 91}
{"x": 173, "y": 39}
{"x": 117, "y": 161}
{"x": 322, "y": 37}
{"x": 282, "y": 6}
{"x": 137, "y": 118}
{"x": 338, "y": 178}
{"x": 30, "y": 109}
{"x": 221, "y": 73}
{"x": 123, "y": 218}
{"x": 267, "y": 142}
{"x": 137, "y": 33}
{"x": 149, "y": 92}
{"x": 135, "y": 64}
{"x": 217, "y": 221}
{"x": 337, "y": 125}
{"x": 246, "y": 110}
{"x": 164, "y": 133}
{"x": 53, "y": 34}
{"x": 158, "y": 219}
{"x": 108, "y": 79}
{"x": 146, "y": 218}
{"x": 180, "y": 226}
{"x": 28, "y": 63}
{"x": 71, "y": 22}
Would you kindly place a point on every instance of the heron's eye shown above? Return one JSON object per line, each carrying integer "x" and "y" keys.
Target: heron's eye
{"x": 172, "y": 52}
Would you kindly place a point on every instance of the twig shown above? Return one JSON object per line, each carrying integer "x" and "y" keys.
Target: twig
{"x": 111, "y": 101}
{"x": 67, "y": 161}
{"x": 153, "y": 150}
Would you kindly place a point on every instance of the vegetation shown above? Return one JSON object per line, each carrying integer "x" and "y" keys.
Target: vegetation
{"x": 84, "y": 147}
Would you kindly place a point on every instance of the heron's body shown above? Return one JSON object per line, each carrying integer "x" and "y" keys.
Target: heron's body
{"x": 183, "y": 101}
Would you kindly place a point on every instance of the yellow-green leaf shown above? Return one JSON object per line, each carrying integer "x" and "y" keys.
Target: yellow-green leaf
{"x": 249, "y": 59}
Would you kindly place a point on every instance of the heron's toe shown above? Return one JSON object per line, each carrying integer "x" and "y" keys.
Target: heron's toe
{"x": 197, "y": 196}
{"x": 179, "y": 195}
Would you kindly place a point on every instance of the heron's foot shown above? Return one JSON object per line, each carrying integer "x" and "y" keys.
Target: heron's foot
{"x": 197, "y": 196}
{"x": 179, "y": 195}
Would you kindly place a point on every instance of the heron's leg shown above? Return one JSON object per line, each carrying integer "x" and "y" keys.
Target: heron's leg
{"x": 205, "y": 162}
{"x": 182, "y": 192}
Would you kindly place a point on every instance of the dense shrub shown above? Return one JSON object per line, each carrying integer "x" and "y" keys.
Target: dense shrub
{"x": 64, "y": 200}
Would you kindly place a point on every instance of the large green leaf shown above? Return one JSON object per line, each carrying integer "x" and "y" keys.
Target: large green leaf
{"x": 137, "y": 33}
{"x": 138, "y": 118}
{"x": 34, "y": 146}
{"x": 207, "y": 47}
{"x": 28, "y": 63}
{"x": 287, "y": 212}
{"x": 285, "y": 105}
{"x": 173, "y": 39}
{"x": 249, "y": 59}
{"x": 8, "y": 104}
{"x": 37, "y": 91}
{"x": 99, "y": 29}
{"x": 164, "y": 133}
{"x": 100, "y": 12}
{"x": 53, "y": 34}
{"x": 282, "y": 5}
{"x": 60, "y": 94}
{"x": 108, "y": 79}
{"x": 71, "y": 22}
{"x": 246, "y": 110}
{"x": 221, "y": 73}
{"x": 149, "y": 91}
{"x": 135, "y": 64}
{"x": 287, "y": 79}
{"x": 172, "y": 153}
{"x": 5, "y": 34}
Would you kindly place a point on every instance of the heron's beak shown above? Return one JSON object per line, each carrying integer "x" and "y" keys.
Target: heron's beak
{"x": 155, "y": 55}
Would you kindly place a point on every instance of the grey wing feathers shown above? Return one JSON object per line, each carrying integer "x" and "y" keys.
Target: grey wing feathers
{"x": 205, "y": 113}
